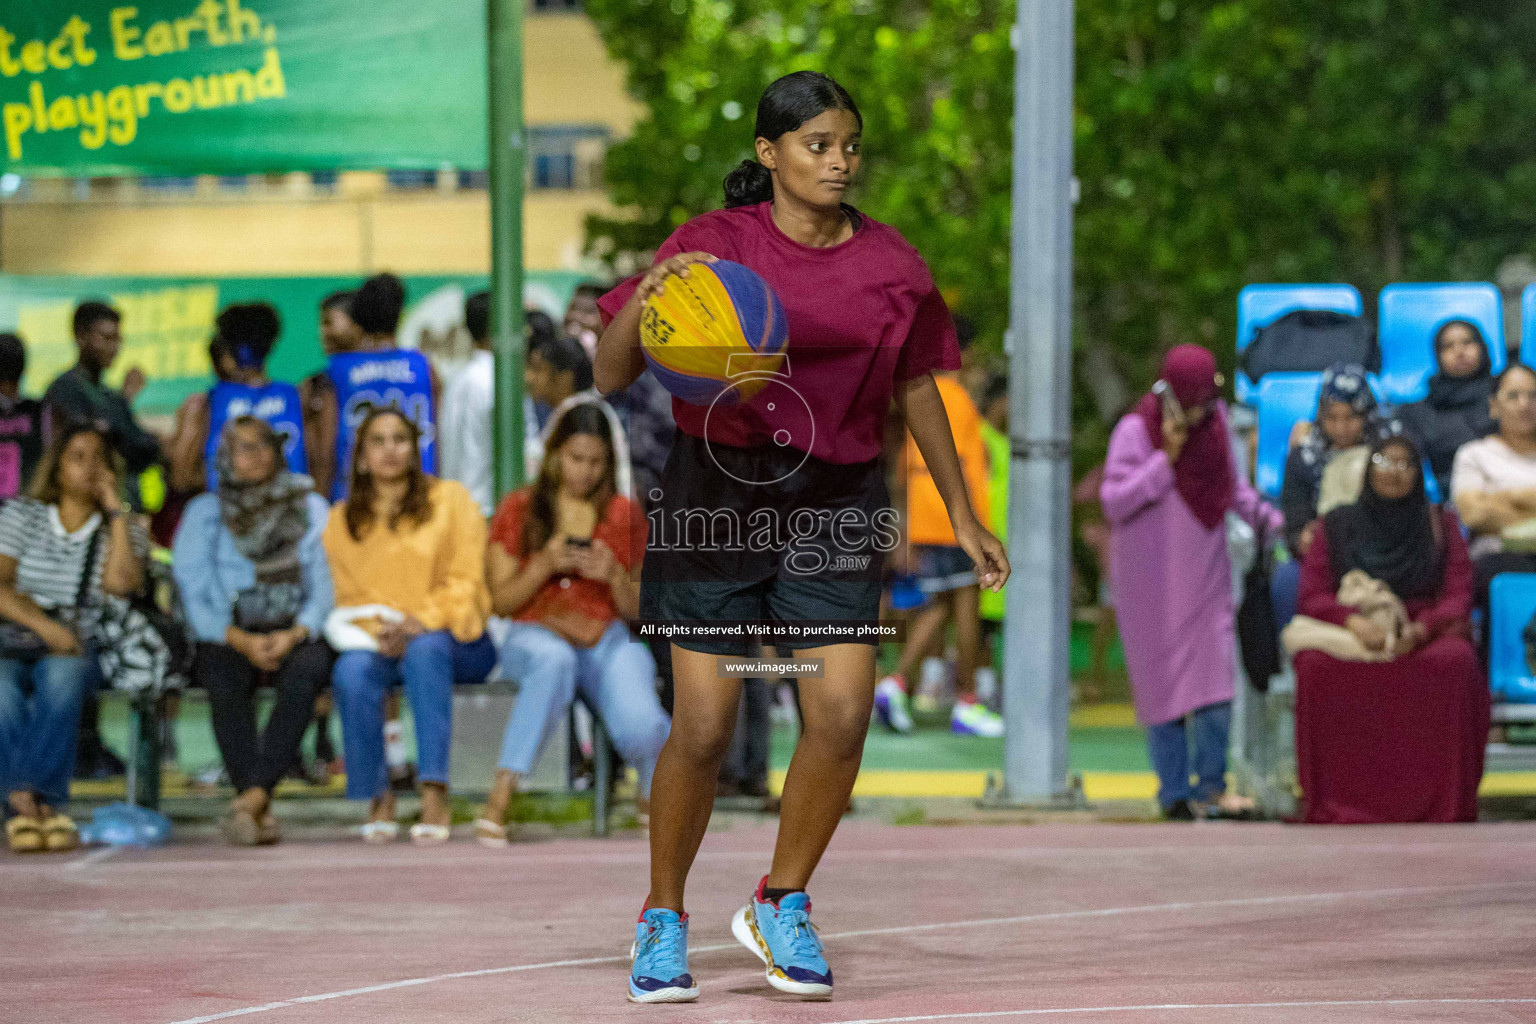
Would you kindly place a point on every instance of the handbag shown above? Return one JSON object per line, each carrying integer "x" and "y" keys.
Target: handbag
{"x": 343, "y": 632}
{"x": 1258, "y": 644}
{"x": 140, "y": 649}
{"x": 1520, "y": 538}
{"x": 22, "y": 643}
{"x": 1311, "y": 340}
{"x": 269, "y": 608}
{"x": 1371, "y": 598}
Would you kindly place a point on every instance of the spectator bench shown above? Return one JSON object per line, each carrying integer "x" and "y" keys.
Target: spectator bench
{"x": 480, "y": 716}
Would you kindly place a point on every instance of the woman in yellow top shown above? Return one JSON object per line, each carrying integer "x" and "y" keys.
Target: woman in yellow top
{"x": 414, "y": 546}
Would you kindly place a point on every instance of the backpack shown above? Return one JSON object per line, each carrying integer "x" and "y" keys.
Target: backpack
{"x": 1311, "y": 340}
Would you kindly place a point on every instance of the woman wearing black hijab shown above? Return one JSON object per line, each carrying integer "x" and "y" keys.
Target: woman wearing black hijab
{"x": 1401, "y": 739}
{"x": 1456, "y": 410}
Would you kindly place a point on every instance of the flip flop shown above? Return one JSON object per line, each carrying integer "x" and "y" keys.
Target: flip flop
{"x": 240, "y": 828}
{"x": 60, "y": 834}
{"x": 267, "y": 830}
{"x": 24, "y": 835}
{"x": 381, "y": 832}
{"x": 1213, "y": 811}
{"x": 488, "y": 833}
{"x": 423, "y": 834}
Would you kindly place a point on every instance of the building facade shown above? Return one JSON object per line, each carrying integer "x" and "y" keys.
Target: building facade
{"x": 353, "y": 222}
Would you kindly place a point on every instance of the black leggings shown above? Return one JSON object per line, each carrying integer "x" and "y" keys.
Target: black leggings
{"x": 231, "y": 683}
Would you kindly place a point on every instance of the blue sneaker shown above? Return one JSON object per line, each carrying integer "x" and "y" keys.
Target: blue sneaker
{"x": 783, "y": 937}
{"x": 659, "y": 973}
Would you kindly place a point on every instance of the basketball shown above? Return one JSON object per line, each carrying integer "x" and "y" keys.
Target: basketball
{"x": 718, "y": 323}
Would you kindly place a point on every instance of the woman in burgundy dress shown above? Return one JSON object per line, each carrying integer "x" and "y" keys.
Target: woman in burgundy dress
{"x": 1399, "y": 740}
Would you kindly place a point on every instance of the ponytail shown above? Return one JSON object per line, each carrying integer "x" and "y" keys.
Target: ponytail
{"x": 749, "y": 182}
{"x": 784, "y": 106}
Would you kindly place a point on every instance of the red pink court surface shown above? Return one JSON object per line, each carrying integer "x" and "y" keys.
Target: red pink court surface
{"x": 1120, "y": 924}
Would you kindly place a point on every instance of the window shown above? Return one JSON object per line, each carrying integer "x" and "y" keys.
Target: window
{"x": 167, "y": 183}
{"x": 411, "y": 179}
{"x": 554, "y": 170}
{"x": 568, "y": 156}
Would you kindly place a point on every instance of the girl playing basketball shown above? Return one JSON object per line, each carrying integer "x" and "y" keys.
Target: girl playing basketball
{"x": 866, "y": 324}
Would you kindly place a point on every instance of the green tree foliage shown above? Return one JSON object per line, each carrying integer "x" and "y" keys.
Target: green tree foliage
{"x": 1218, "y": 142}
{"x": 931, "y": 80}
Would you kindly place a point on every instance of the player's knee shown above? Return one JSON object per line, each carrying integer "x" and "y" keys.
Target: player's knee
{"x": 700, "y": 743}
{"x": 838, "y": 731}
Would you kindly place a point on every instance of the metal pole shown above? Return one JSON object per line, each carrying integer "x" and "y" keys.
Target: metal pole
{"x": 504, "y": 82}
{"x": 1036, "y": 645}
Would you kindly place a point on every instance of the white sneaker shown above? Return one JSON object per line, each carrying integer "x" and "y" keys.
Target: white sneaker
{"x": 891, "y": 705}
{"x": 975, "y": 720}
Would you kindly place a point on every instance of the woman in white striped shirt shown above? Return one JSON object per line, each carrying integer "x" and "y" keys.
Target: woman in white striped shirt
{"x": 72, "y": 513}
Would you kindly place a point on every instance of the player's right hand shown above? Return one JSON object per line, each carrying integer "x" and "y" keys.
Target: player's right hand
{"x": 652, "y": 282}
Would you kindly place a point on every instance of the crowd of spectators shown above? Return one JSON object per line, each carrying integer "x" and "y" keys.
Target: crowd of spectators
{"x": 314, "y": 551}
{"x": 1376, "y": 592}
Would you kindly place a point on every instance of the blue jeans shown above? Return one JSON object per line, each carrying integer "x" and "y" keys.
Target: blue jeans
{"x": 40, "y": 705}
{"x": 1284, "y": 592}
{"x": 432, "y": 663}
{"x": 617, "y": 676}
{"x": 1168, "y": 746}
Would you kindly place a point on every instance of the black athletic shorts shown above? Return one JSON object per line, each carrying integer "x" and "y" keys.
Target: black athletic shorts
{"x": 766, "y": 534}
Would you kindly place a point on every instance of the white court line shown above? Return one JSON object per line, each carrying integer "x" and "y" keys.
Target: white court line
{"x": 94, "y": 857}
{"x": 1187, "y": 1006}
{"x": 642, "y": 856}
{"x": 1107, "y": 912}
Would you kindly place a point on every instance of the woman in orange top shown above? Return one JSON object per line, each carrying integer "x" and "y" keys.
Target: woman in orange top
{"x": 412, "y": 546}
{"x": 564, "y": 565}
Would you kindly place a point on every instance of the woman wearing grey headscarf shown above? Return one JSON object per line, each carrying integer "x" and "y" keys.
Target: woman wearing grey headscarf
{"x": 256, "y": 590}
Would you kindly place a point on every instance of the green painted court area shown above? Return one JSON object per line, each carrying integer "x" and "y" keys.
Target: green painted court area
{"x": 1093, "y": 747}
{"x": 1103, "y": 739}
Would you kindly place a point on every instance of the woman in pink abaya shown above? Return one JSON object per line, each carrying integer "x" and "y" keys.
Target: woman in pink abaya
{"x": 1169, "y": 482}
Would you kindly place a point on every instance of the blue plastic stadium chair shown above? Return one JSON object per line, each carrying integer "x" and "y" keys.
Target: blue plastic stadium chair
{"x": 1528, "y": 325}
{"x": 1512, "y": 602}
{"x": 1408, "y": 316}
{"x": 1259, "y": 305}
{"x": 1284, "y": 399}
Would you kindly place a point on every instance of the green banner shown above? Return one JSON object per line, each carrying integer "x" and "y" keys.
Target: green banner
{"x": 167, "y": 322}
{"x": 97, "y": 87}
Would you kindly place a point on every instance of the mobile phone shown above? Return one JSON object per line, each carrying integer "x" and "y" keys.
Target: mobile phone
{"x": 1171, "y": 407}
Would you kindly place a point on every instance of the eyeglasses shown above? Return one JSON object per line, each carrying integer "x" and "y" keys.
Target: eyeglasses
{"x": 1382, "y": 462}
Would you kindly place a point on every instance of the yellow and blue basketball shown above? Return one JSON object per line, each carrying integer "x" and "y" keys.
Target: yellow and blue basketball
{"x": 703, "y": 330}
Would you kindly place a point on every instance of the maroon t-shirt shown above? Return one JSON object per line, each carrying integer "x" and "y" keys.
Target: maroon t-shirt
{"x": 863, "y": 315}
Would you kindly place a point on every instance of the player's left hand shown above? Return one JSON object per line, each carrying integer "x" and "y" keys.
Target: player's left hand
{"x": 986, "y": 551}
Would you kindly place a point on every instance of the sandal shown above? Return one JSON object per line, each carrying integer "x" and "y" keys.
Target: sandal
{"x": 381, "y": 832}
{"x": 61, "y": 834}
{"x": 24, "y": 834}
{"x": 1223, "y": 808}
{"x": 488, "y": 833}
{"x": 423, "y": 834}
{"x": 267, "y": 830}
{"x": 240, "y": 827}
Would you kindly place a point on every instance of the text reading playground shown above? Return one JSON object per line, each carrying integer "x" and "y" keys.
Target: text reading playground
{"x": 47, "y": 103}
